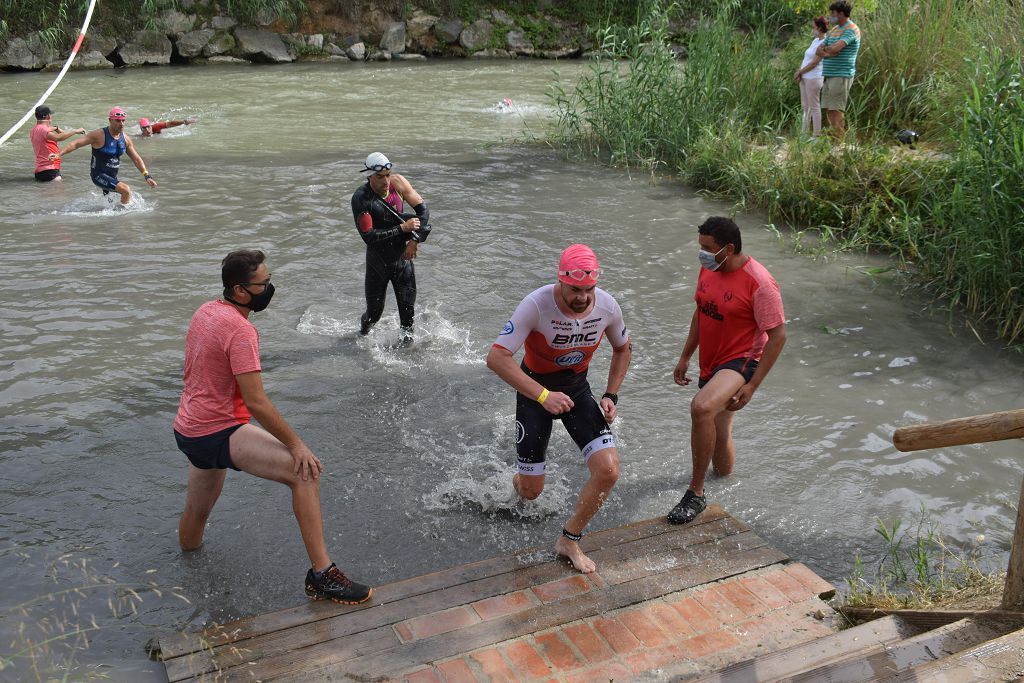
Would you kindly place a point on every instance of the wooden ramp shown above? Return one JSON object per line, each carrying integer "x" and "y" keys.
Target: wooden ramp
{"x": 666, "y": 601}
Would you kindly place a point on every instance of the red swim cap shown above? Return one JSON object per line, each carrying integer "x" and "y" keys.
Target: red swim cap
{"x": 143, "y": 122}
{"x": 117, "y": 114}
{"x": 578, "y": 266}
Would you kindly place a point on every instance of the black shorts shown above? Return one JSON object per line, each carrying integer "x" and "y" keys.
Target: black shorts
{"x": 744, "y": 366}
{"x": 47, "y": 175}
{"x": 210, "y": 452}
{"x": 585, "y": 424}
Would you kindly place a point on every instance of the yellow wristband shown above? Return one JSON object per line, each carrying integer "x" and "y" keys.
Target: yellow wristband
{"x": 543, "y": 397}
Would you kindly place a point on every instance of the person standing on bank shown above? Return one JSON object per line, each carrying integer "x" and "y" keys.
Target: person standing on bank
{"x": 108, "y": 144}
{"x": 810, "y": 79}
{"x": 561, "y": 326}
{"x": 839, "y": 64}
{"x": 44, "y": 137}
{"x": 223, "y": 391}
{"x": 392, "y": 239}
{"x": 739, "y": 330}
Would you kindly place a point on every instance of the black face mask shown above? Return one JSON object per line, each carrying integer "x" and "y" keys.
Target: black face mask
{"x": 257, "y": 302}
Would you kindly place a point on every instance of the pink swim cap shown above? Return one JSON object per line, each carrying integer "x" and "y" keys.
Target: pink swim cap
{"x": 118, "y": 114}
{"x": 578, "y": 266}
{"x": 143, "y": 123}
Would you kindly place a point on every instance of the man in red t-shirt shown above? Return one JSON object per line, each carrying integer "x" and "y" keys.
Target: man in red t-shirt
{"x": 45, "y": 137}
{"x": 739, "y": 329}
{"x": 223, "y": 391}
{"x": 149, "y": 128}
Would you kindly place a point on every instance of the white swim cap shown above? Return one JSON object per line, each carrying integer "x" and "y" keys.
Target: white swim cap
{"x": 375, "y": 163}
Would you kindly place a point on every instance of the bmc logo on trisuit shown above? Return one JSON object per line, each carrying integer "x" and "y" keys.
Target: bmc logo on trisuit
{"x": 589, "y": 338}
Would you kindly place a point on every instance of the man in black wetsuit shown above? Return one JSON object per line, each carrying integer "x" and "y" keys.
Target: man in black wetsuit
{"x": 108, "y": 144}
{"x": 392, "y": 239}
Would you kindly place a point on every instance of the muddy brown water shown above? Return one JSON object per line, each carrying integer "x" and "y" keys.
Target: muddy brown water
{"x": 417, "y": 441}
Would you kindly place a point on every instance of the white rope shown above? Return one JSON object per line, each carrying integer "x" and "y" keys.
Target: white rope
{"x": 60, "y": 76}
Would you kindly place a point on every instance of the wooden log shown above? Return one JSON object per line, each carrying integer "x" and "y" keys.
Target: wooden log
{"x": 931, "y": 618}
{"x": 1013, "y": 593}
{"x": 965, "y": 430}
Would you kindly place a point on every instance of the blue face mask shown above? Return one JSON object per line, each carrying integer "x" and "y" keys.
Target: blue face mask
{"x": 708, "y": 260}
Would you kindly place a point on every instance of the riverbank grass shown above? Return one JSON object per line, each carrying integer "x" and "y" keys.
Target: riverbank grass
{"x": 919, "y": 570}
{"x": 727, "y": 121}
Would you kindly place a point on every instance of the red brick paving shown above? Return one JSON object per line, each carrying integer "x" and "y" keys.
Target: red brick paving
{"x": 427, "y": 625}
{"x": 643, "y": 628}
{"x": 558, "y": 652}
{"x": 499, "y": 606}
{"x": 765, "y": 592}
{"x": 696, "y": 615}
{"x": 668, "y": 619}
{"x": 812, "y": 581}
{"x": 526, "y": 660}
{"x": 735, "y": 593}
{"x": 718, "y": 605}
{"x": 494, "y": 666}
{"x": 618, "y": 636}
{"x": 422, "y": 676}
{"x": 457, "y": 671}
{"x": 588, "y": 642}
{"x": 563, "y": 588}
{"x": 789, "y": 586}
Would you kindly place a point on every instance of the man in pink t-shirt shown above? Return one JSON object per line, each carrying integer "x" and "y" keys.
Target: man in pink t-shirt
{"x": 739, "y": 329}
{"x": 223, "y": 391}
{"x": 44, "y": 137}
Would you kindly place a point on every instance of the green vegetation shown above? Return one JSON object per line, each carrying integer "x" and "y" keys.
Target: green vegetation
{"x": 727, "y": 120}
{"x": 919, "y": 571}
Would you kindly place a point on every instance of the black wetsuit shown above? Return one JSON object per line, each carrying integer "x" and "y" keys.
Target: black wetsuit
{"x": 385, "y": 246}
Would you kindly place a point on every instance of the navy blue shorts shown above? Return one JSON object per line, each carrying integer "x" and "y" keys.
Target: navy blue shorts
{"x": 584, "y": 422}
{"x": 736, "y": 364}
{"x": 107, "y": 182}
{"x": 210, "y": 452}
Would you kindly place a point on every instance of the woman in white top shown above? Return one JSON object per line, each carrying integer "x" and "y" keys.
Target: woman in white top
{"x": 810, "y": 79}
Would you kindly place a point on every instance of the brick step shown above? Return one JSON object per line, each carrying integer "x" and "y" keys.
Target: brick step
{"x": 790, "y": 661}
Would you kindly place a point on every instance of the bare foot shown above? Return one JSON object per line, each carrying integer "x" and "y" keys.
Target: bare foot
{"x": 571, "y": 549}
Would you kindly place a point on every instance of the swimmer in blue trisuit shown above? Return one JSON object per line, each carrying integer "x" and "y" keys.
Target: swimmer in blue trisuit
{"x": 108, "y": 144}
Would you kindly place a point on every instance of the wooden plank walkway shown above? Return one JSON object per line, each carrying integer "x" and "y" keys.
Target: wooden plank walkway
{"x": 677, "y": 600}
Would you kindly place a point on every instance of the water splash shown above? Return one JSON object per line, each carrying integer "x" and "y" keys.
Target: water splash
{"x": 97, "y": 204}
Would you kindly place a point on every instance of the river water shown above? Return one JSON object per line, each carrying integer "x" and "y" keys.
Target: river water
{"x": 417, "y": 441}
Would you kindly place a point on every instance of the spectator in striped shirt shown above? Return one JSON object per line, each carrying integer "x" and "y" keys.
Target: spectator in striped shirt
{"x": 839, "y": 64}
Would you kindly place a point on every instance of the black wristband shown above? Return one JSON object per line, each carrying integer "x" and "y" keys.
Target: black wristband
{"x": 613, "y": 397}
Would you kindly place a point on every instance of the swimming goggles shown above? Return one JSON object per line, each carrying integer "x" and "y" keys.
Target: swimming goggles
{"x": 579, "y": 274}
{"x": 377, "y": 168}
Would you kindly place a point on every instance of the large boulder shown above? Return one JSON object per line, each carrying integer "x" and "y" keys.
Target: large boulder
{"x": 349, "y": 40}
{"x": 517, "y": 43}
{"x": 393, "y": 40}
{"x": 17, "y": 55}
{"x": 261, "y": 46}
{"x": 334, "y": 51}
{"x": 448, "y": 30}
{"x": 409, "y": 57}
{"x": 357, "y": 52}
{"x": 223, "y": 23}
{"x": 491, "y": 53}
{"x": 146, "y": 47}
{"x": 105, "y": 45}
{"x": 172, "y": 22}
{"x": 28, "y": 54}
{"x": 477, "y": 35}
{"x": 419, "y": 24}
{"x": 94, "y": 59}
{"x": 315, "y": 41}
{"x": 502, "y": 17}
{"x": 219, "y": 44}
{"x": 193, "y": 43}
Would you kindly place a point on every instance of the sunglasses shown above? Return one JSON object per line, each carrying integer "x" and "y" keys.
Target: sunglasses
{"x": 579, "y": 274}
{"x": 379, "y": 167}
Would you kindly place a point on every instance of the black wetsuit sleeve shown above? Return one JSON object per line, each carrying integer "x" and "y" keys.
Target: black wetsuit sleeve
{"x": 370, "y": 233}
{"x": 423, "y": 213}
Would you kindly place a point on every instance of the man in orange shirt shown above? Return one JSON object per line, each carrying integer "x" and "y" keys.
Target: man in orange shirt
{"x": 739, "y": 328}
{"x": 45, "y": 137}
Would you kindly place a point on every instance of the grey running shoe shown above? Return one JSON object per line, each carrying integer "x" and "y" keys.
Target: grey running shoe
{"x": 688, "y": 508}
{"x": 334, "y": 585}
